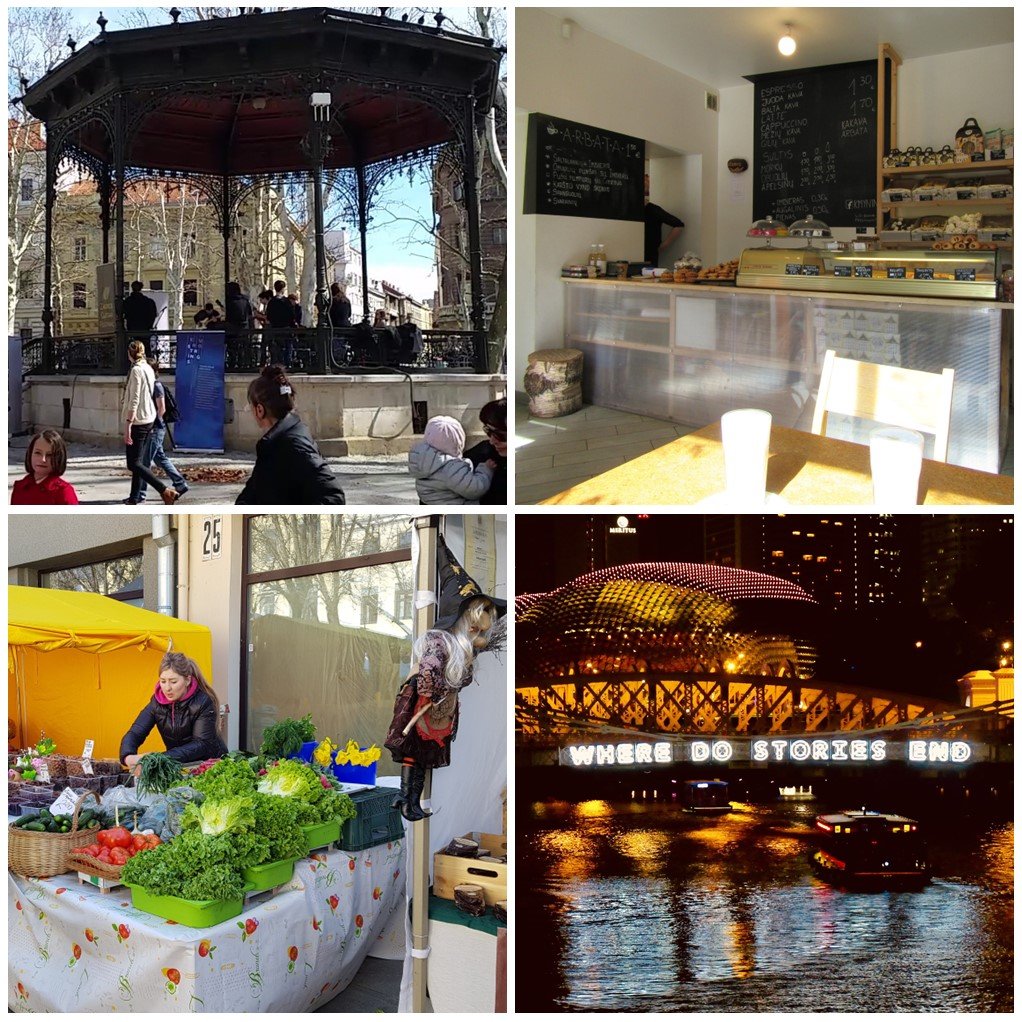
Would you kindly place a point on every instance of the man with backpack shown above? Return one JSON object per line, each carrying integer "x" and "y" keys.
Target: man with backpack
{"x": 166, "y": 412}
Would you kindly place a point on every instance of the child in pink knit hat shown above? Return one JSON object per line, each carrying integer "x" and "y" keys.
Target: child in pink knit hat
{"x": 442, "y": 475}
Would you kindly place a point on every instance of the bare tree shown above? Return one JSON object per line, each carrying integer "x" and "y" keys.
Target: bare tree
{"x": 35, "y": 40}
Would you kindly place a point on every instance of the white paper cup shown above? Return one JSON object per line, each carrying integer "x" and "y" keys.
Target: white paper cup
{"x": 745, "y": 433}
{"x": 895, "y": 459}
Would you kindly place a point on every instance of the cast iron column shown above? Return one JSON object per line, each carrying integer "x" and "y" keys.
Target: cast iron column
{"x": 120, "y": 337}
{"x": 475, "y": 258}
{"x": 227, "y": 201}
{"x": 104, "y": 187}
{"x": 316, "y": 144}
{"x": 363, "y": 226}
{"x": 51, "y": 196}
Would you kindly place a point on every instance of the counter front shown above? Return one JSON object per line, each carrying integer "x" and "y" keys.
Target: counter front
{"x": 689, "y": 353}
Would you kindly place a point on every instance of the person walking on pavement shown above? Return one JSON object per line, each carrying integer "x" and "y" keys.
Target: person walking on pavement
{"x": 139, "y": 413}
{"x": 154, "y": 453}
{"x": 139, "y": 310}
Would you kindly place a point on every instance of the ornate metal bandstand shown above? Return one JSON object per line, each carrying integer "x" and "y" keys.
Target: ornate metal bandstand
{"x": 232, "y": 103}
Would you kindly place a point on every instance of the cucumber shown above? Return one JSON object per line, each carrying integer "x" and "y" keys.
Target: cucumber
{"x": 35, "y": 825}
{"x": 53, "y": 827}
{"x": 27, "y": 818}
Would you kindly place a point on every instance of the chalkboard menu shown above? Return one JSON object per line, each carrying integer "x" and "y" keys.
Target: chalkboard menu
{"x": 815, "y": 144}
{"x": 576, "y": 170}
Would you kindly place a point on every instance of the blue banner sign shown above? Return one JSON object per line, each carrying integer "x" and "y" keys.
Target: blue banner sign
{"x": 199, "y": 391}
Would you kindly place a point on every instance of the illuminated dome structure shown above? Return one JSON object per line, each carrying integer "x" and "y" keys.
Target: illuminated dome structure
{"x": 666, "y": 618}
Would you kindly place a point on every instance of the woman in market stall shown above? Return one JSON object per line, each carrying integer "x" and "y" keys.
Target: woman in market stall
{"x": 184, "y": 709}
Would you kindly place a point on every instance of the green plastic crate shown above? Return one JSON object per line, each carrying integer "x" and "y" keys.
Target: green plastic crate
{"x": 377, "y": 821}
{"x": 188, "y": 913}
{"x": 320, "y": 835}
{"x": 268, "y": 875}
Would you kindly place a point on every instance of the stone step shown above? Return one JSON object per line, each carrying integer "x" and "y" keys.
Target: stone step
{"x": 340, "y": 447}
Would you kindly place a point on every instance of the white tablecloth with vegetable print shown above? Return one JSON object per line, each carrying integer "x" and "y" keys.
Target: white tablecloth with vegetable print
{"x": 74, "y": 948}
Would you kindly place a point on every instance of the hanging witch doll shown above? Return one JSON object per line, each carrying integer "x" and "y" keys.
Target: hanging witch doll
{"x": 426, "y": 710}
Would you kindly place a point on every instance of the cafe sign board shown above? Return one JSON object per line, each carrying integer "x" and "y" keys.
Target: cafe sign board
{"x": 580, "y": 170}
{"x": 807, "y": 751}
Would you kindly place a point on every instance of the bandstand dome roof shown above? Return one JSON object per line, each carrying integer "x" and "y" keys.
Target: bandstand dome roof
{"x": 232, "y": 95}
{"x": 667, "y": 616}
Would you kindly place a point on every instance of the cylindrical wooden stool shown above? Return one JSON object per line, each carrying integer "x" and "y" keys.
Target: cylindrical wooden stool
{"x": 553, "y": 381}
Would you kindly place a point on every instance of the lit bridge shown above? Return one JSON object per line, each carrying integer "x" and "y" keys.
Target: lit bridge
{"x": 555, "y": 713}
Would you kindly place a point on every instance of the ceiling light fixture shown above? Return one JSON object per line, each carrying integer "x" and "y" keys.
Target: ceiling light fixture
{"x": 786, "y": 44}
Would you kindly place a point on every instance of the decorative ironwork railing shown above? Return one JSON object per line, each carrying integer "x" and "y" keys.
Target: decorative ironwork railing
{"x": 355, "y": 349}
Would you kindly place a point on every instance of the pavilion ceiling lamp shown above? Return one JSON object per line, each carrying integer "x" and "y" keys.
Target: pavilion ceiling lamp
{"x": 786, "y": 44}
{"x": 320, "y": 103}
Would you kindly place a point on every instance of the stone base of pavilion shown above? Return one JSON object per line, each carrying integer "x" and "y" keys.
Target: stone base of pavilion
{"x": 361, "y": 414}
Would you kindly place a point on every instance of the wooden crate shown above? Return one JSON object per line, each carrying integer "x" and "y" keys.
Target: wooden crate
{"x": 449, "y": 870}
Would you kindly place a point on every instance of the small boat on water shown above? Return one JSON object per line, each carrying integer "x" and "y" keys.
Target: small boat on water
{"x": 789, "y": 793}
{"x": 862, "y": 847}
{"x": 705, "y": 797}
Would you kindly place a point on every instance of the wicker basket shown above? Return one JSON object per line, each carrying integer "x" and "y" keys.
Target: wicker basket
{"x": 95, "y": 868}
{"x": 34, "y": 854}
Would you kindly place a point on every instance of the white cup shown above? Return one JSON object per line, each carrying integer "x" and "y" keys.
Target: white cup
{"x": 745, "y": 433}
{"x": 895, "y": 459}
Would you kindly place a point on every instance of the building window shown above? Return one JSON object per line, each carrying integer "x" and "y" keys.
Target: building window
{"x": 27, "y": 189}
{"x": 499, "y": 235}
{"x": 78, "y": 298}
{"x": 458, "y": 191}
{"x": 776, "y": 553}
{"x": 119, "y": 578}
{"x": 156, "y": 285}
{"x": 319, "y": 630}
{"x": 157, "y": 248}
{"x": 80, "y": 250}
{"x": 191, "y": 296}
{"x": 193, "y": 246}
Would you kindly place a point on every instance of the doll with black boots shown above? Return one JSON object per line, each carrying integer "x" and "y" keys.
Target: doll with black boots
{"x": 426, "y": 710}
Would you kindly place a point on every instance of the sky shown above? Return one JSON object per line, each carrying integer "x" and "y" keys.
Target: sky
{"x": 398, "y": 252}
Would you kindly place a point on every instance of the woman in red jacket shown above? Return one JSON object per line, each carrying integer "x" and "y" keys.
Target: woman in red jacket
{"x": 45, "y": 462}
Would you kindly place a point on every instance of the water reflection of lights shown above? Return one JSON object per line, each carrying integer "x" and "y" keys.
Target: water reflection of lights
{"x": 594, "y": 808}
{"x": 648, "y": 848}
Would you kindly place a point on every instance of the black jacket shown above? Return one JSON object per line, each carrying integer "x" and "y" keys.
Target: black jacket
{"x": 280, "y": 312}
{"x": 340, "y": 312}
{"x": 239, "y": 314}
{"x": 289, "y": 469}
{"x": 187, "y": 727}
{"x": 497, "y": 493}
{"x": 139, "y": 312}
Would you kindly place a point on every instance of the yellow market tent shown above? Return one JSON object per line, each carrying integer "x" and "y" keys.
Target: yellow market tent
{"x": 81, "y": 666}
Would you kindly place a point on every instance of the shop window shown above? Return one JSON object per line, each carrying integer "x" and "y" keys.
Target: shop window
{"x": 119, "y": 578}
{"x": 320, "y": 636}
{"x": 191, "y": 295}
{"x": 78, "y": 296}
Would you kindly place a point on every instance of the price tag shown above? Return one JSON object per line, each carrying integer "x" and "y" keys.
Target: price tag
{"x": 65, "y": 804}
{"x": 793, "y": 269}
{"x": 965, "y": 274}
{"x": 811, "y": 271}
{"x": 842, "y": 271}
{"x": 44, "y": 774}
{"x": 863, "y": 271}
{"x": 895, "y": 272}
{"x": 87, "y": 767}
{"x": 924, "y": 273}
{"x": 89, "y": 746}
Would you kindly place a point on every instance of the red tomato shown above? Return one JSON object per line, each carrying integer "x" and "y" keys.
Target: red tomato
{"x": 138, "y": 842}
{"x": 154, "y": 840}
{"x": 104, "y": 855}
{"x": 115, "y": 837}
{"x": 118, "y": 856}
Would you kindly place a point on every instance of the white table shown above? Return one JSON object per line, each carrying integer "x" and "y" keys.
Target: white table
{"x": 73, "y": 948}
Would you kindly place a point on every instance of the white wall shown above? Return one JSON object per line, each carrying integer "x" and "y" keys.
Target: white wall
{"x": 588, "y": 79}
{"x": 593, "y": 81}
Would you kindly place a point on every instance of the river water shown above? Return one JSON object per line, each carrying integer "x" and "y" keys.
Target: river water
{"x": 638, "y": 906}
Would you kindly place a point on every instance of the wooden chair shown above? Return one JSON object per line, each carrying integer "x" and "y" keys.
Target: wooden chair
{"x": 889, "y": 394}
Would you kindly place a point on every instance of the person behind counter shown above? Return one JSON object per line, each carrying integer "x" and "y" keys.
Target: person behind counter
{"x": 655, "y": 218}
{"x": 184, "y": 709}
